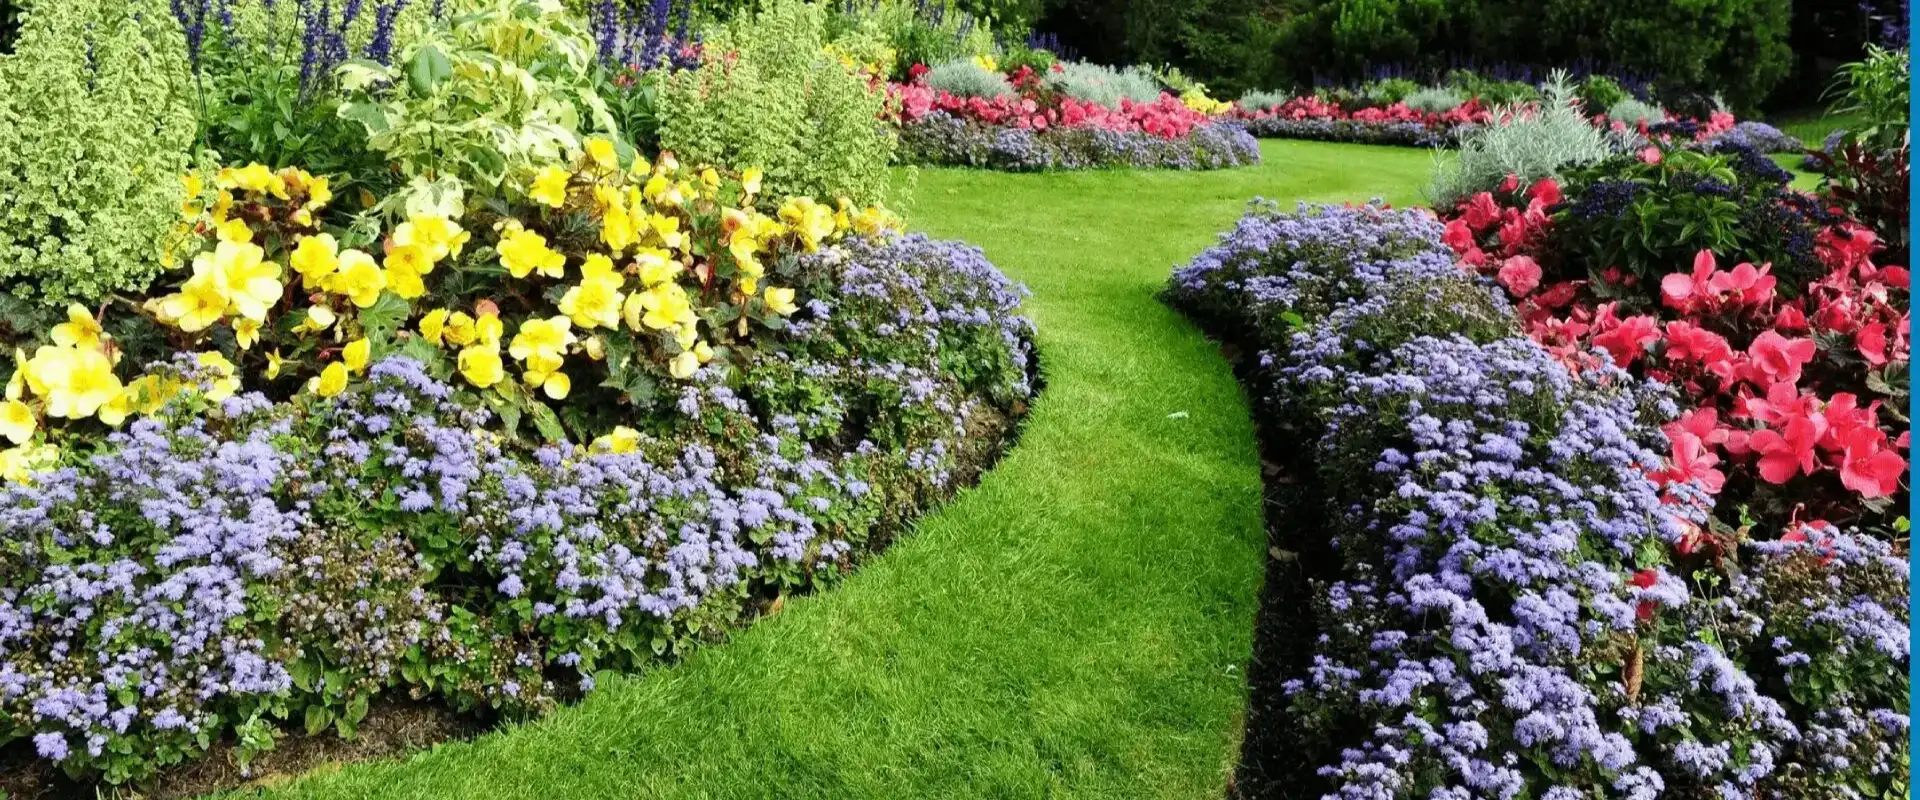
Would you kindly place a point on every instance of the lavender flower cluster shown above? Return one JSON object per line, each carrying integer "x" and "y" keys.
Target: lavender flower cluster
{"x": 1758, "y": 136}
{"x": 941, "y": 139}
{"x": 220, "y": 568}
{"x": 1503, "y": 614}
{"x": 1407, "y": 134}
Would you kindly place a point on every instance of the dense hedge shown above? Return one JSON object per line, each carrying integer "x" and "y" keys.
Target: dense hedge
{"x": 1504, "y": 613}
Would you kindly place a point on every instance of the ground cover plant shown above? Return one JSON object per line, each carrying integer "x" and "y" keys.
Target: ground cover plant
{"x": 1529, "y": 588}
{"x": 506, "y": 406}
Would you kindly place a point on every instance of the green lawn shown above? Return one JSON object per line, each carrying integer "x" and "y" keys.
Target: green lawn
{"x": 1077, "y": 626}
{"x": 1812, "y": 127}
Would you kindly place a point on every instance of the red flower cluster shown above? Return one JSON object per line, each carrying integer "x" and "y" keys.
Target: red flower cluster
{"x": 1309, "y": 107}
{"x": 1032, "y": 107}
{"x": 1784, "y": 393}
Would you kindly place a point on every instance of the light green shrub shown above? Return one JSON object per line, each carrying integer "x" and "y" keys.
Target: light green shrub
{"x": 1435, "y": 100}
{"x": 1529, "y": 143}
{"x": 1093, "y": 83}
{"x": 479, "y": 101}
{"x": 1264, "y": 101}
{"x": 1633, "y": 112}
{"x": 90, "y": 157}
{"x": 967, "y": 79}
{"x": 781, "y": 104}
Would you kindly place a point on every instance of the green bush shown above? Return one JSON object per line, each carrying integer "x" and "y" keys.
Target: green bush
{"x": 781, "y": 104}
{"x": 966, "y": 79}
{"x": 1531, "y": 145}
{"x": 1633, "y": 112}
{"x": 1876, "y": 90}
{"x": 1093, "y": 83}
{"x": 96, "y": 121}
{"x": 1437, "y": 100}
{"x": 1599, "y": 93}
{"x": 1264, "y": 101}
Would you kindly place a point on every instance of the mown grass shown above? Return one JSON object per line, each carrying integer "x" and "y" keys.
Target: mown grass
{"x": 1077, "y": 626}
{"x": 1812, "y": 127}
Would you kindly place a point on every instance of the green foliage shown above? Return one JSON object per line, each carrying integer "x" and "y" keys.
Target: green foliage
{"x": 479, "y": 99}
{"x": 916, "y": 33}
{"x": 1436, "y": 100}
{"x": 781, "y": 104}
{"x": 1264, "y": 101}
{"x": 96, "y": 120}
{"x": 1492, "y": 91}
{"x": 1093, "y": 83}
{"x": 257, "y": 110}
{"x": 1530, "y": 144}
{"x": 1018, "y": 55}
{"x": 1599, "y": 92}
{"x": 968, "y": 79}
{"x": 1736, "y": 48}
{"x": 1875, "y": 89}
{"x": 1633, "y": 112}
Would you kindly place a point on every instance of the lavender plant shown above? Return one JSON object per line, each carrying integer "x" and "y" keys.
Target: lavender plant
{"x": 940, "y": 139}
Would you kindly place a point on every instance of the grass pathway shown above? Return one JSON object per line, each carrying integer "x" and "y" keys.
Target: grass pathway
{"x": 1076, "y": 626}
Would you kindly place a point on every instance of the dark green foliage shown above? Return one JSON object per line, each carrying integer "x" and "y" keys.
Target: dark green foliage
{"x": 1734, "y": 48}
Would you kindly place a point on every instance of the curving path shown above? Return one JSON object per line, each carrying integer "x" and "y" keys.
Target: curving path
{"x": 1077, "y": 626}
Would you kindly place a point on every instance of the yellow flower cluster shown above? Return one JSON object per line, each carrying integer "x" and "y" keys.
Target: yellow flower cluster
{"x": 1196, "y": 98}
{"x": 74, "y": 379}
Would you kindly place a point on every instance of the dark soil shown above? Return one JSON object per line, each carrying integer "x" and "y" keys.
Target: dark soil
{"x": 1275, "y": 763}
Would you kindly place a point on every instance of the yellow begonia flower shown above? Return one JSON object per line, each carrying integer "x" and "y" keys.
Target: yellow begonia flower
{"x": 226, "y": 379}
{"x": 550, "y": 187}
{"x": 703, "y": 352}
{"x": 275, "y": 363}
{"x": 19, "y": 464}
{"x": 621, "y": 440}
{"x": 710, "y": 180}
{"x": 687, "y": 335}
{"x": 319, "y": 318}
{"x": 557, "y": 385}
{"x": 524, "y": 252}
{"x": 316, "y": 258}
{"x": 319, "y": 193}
{"x": 201, "y": 301}
{"x": 547, "y": 338}
{"x": 75, "y": 383}
{"x": 488, "y": 329}
{"x": 301, "y": 218}
{"x": 659, "y": 308}
{"x": 149, "y": 394}
{"x": 191, "y": 187}
{"x": 17, "y": 422}
{"x": 246, "y": 333}
{"x": 595, "y": 347}
{"x": 80, "y": 330}
{"x": 356, "y": 354}
{"x": 234, "y": 230}
{"x": 222, "y": 205}
{"x": 437, "y": 236}
{"x": 812, "y": 221}
{"x": 684, "y": 365}
{"x": 750, "y": 180}
{"x": 359, "y": 279}
{"x": 656, "y": 266}
{"x": 331, "y": 382}
{"x": 595, "y": 303}
{"x": 780, "y": 301}
{"x": 255, "y": 178}
{"x": 433, "y": 325}
{"x": 481, "y": 365}
{"x": 608, "y": 197}
{"x": 253, "y": 284}
{"x": 667, "y": 230}
{"x": 617, "y": 229}
{"x": 405, "y": 268}
{"x": 602, "y": 153}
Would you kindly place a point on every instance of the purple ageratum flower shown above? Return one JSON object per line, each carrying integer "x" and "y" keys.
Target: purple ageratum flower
{"x": 1487, "y": 507}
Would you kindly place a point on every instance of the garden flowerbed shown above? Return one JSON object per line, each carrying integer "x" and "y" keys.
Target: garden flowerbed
{"x": 1524, "y": 573}
{"x": 1033, "y": 128}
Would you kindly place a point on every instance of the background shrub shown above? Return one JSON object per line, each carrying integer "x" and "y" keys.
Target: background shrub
{"x": 968, "y": 79}
{"x": 1634, "y": 112}
{"x": 96, "y": 120}
{"x": 1530, "y": 144}
{"x": 782, "y": 105}
{"x": 1106, "y": 86}
{"x": 1436, "y": 100}
{"x": 1264, "y": 100}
